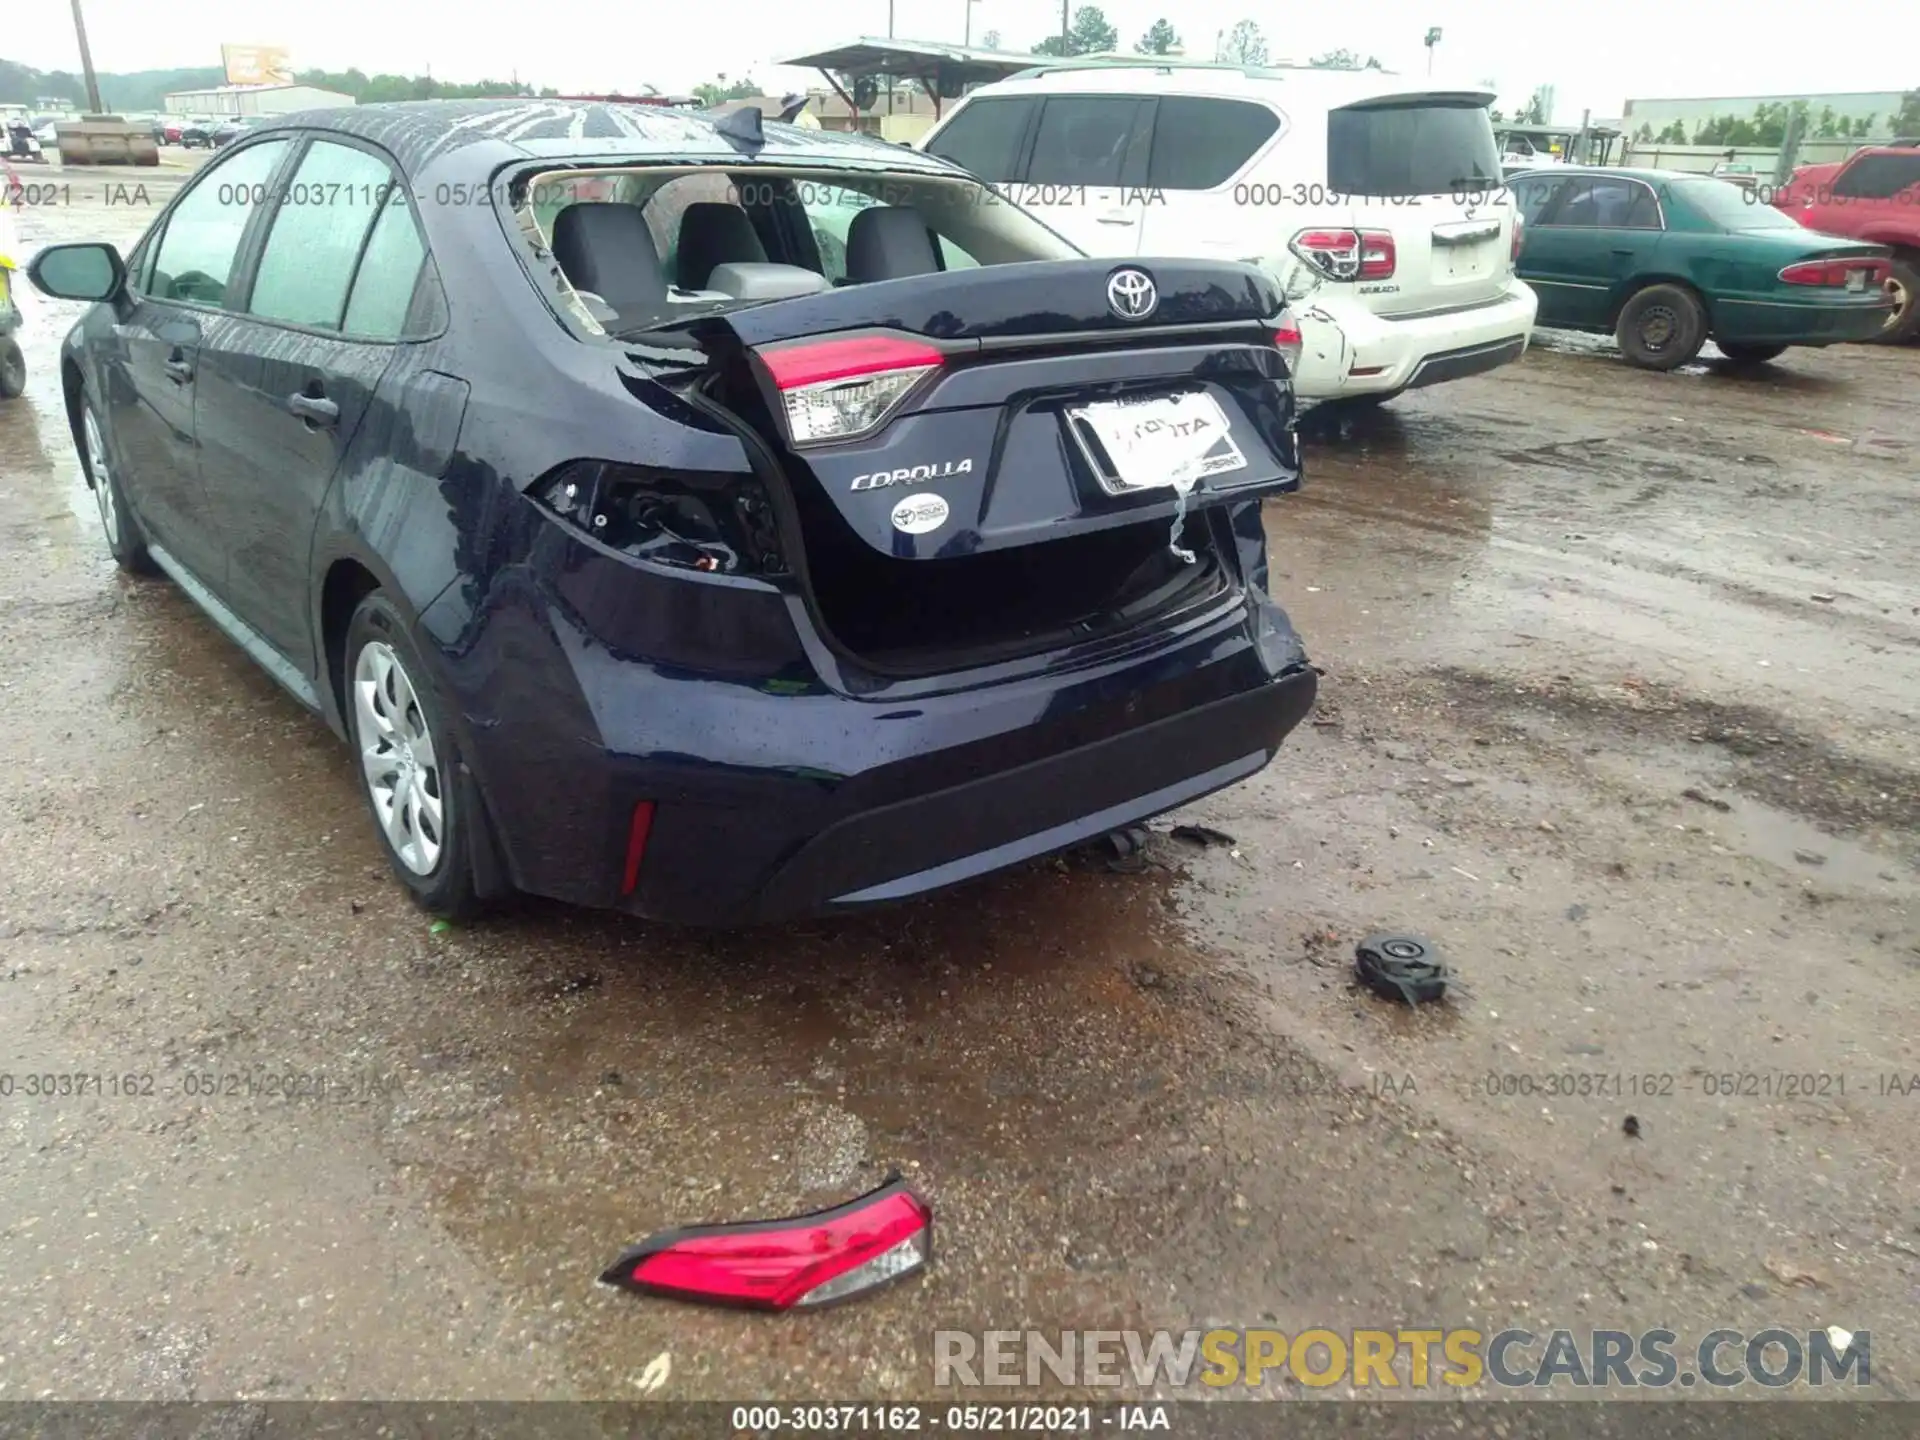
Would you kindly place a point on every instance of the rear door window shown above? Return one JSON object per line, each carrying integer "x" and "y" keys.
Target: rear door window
{"x": 1608, "y": 204}
{"x": 196, "y": 254}
{"x": 1878, "y": 177}
{"x": 1418, "y": 147}
{"x": 985, "y": 137}
{"x": 317, "y": 238}
{"x": 1199, "y": 143}
{"x": 1535, "y": 196}
{"x": 1092, "y": 140}
{"x": 389, "y": 273}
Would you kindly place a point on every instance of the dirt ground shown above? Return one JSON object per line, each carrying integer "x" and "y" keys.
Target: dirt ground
{"x": 1619, "y": 710}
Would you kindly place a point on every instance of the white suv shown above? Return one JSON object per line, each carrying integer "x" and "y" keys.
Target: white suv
{"x": 1376, "y": 200}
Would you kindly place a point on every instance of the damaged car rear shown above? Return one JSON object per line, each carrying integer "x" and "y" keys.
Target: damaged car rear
{"x": 750, "y": 523}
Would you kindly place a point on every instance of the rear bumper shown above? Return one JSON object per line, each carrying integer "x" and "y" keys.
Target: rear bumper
{"x": 1765, "y": 322}
{"x": 1342, "y": 337}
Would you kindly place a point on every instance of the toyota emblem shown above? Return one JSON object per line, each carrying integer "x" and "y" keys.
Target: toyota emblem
{"x": 1131, "y": 294}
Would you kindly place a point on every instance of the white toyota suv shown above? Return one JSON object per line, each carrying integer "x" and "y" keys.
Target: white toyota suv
{"x": 1375, "y": 199}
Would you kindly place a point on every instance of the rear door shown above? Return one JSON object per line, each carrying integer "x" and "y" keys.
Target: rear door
{"x": 285, "y": 386}
{"x": 1084, "y": 169}
{"x": 1599, "y": 233}
{"x": 1196, "y": 202}
{"x": 1423, "y": 167}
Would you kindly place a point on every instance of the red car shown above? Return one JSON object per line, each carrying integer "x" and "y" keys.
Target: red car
{"x": 1873, "y": 195}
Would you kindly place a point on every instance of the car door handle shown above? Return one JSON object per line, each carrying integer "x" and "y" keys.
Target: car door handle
{"x": 179, "y": 370}
{"x": 1623, "y": 252}
{"x": 1114, "y": 217}
{"x": 316, "y": 410}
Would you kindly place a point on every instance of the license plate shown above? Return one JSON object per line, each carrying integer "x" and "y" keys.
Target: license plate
{"x": 1161, "y": 441}
{"x": 1856, "y": 280}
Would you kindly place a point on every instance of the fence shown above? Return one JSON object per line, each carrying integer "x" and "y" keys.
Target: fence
{"x": 1651, "y": 155}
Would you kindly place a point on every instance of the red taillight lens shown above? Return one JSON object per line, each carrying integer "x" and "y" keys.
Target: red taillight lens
{"x": 1837, "y": 273}
{"x": 1334, "y": 253}
{"x": 1288, "y": 340}
{"x": 841, "y": 389}
{"x": 638, "y": 829}
{"x": 783, "y": 1264}
{"x": 1377, "y": 255}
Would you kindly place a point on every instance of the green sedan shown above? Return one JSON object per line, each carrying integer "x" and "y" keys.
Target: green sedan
{"x": 1665, "y": 260}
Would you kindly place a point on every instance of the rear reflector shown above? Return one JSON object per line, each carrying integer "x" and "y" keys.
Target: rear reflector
{"x": 790, "y": 1264}
{"x": 638, "y": 829}
{"x": 841, "y": 389}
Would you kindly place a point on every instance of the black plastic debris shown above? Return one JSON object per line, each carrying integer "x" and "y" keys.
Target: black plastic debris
{"x": 1402, "y": 967}
{"x": 1630, "y": 1127}
{"x": 1126, "y": 849}
{"x": 1202, "y": 835}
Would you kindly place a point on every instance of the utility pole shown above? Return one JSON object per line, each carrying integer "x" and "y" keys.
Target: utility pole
{"x": 968, "y": 41}
{"x": 86, "y": 62}
{"x": 1066, "y": 30}
{"x": 1433, "y": 39}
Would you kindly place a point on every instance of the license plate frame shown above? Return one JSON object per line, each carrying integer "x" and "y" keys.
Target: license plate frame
{"x": 1151, "y": 445}
{"x": 1857, "y": 281}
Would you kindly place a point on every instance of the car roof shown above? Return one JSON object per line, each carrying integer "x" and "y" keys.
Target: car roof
{"x": 417, "y": 132}
{"x": 1324, "y": 87}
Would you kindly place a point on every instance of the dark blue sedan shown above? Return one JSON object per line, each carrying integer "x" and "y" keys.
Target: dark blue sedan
{"x": 710, "y": 521}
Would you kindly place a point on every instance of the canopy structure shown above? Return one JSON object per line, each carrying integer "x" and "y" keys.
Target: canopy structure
{"x": 947, "y": 71}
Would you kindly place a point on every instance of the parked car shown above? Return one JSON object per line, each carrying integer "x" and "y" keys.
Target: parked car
{"x": 1665, "y": 260}
{"x": 228, "y": 131}
{"x": 1376, "y": 201}
{"x": 198, "y": 134}
{"x": 689, "y": 575}
{"x": 1873, "y": 195}
{"x": 170, "y": 128}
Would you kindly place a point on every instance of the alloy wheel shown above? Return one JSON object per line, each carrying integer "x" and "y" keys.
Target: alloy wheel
{"x": 1902, "y": 299}
{"x": 102, "y": 479}
{"x": 397, "y": 758}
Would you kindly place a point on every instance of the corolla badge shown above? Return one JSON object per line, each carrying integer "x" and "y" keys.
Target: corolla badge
{"x": 1131, "y": 294}
{"x": 919, "y": 514}
{"x": 912, "y": 474}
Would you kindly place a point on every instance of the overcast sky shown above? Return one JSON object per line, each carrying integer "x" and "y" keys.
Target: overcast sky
{"x": 1595, "y": 55}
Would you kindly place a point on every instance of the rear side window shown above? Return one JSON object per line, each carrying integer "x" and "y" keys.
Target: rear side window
{"x": 1200, "y": 143}
{"x": 985, "y": 138}
{"x": 1422, "y": 148}
{"x": 1090, "y": 140}
{"x": 1608, "y": 205}
{"x": 1534, "y": 195}
{"x": 388, "y": 275}
{"x": 195, "y": 258}
{"x": 1878, "y": 177}
{"x": 314, "y": 247}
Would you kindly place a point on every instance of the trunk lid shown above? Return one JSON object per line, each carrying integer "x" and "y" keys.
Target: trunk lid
{"x": 1013, "y": 433}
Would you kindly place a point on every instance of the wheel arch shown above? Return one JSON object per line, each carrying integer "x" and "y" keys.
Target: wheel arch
{"x": 72, "y": 384}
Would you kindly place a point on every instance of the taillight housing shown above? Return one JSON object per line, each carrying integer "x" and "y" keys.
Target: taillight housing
{"x": 691, "y": 520}
{"x": 798, "y": 1263}
{"x": 845, "y": 387}
{"x": 1288, "y": 340}
{"x": 1347, "y": 254}
{"x": 1834, "y": 273}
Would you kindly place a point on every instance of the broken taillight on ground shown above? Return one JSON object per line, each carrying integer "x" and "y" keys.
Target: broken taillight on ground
{"x": 797, "y": 1263}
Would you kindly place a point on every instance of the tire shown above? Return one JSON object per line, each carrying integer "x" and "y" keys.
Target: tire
{"x": 1661, "y": 327}
{"x": 408, "y": 762}
{"x": 1903, "y": 283}
{"x": 13, "y": 370}
{"x": 1750, "y": 354}
{"x": 125, "y": 539}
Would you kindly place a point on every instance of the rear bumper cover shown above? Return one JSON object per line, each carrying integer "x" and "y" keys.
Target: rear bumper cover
{"x": 1763, "y": 322}
{"x": 1342, "y": 336}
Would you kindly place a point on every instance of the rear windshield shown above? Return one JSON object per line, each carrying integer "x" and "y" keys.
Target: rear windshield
{"x": 1730, "y": 206}
{"x": 670, "y": 243}
{"x": 1421, "y": 147}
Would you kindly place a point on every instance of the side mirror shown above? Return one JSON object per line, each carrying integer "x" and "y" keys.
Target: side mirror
{"x": 78, "y": 272}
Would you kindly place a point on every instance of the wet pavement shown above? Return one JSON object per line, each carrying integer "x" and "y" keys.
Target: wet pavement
{"x": 1622, "y": 673}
